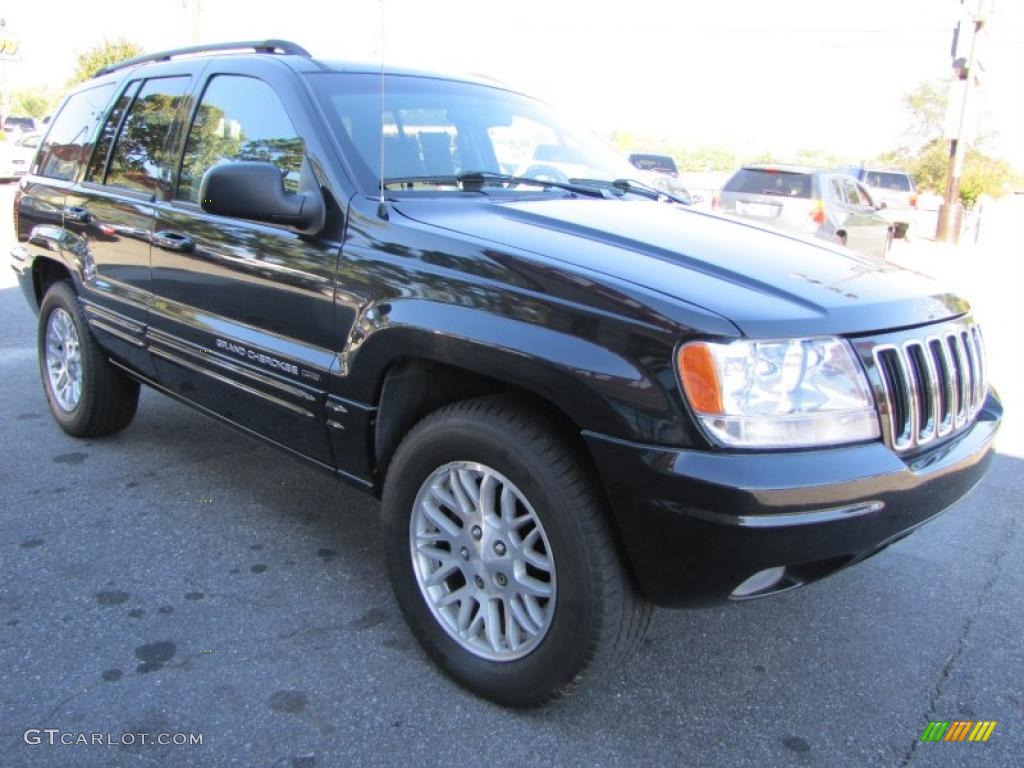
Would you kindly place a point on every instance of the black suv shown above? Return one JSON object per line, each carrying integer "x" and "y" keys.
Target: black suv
{"x": 576, "y": 397}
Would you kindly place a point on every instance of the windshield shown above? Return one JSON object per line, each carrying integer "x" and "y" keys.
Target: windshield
{"x": 883, "y": 180}
{"x": 756, "y": 181}
{"x": 436, "y": 128}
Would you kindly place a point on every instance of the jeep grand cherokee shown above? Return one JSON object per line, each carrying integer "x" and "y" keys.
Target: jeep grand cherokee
{"x": 576, "y": 398}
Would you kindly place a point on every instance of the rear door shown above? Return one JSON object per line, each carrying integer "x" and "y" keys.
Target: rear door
{"x": 108, "y": 216}
{"x": 243, "y": 314}
{"x": 866, "y": 230}
{"x": 39, "y": 218}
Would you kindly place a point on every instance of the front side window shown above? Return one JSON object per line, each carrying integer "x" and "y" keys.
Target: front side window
{"x": 239, "y": 118}
{"x": 139, "y": 162}
{"x": 67, "y": 143}
{"x": 852, "y": 193}
{"x": 865, "y": 197}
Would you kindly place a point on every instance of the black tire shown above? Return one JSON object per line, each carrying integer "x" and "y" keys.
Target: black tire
{"x": 598, "y": 616}
{"x": 109, "y": 398}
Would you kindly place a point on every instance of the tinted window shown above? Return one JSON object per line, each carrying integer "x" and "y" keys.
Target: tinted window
{"x": 853, "y": 196}
{"x": 67, "y": 142}
{"x": 239, "y": 118}
{"x": 430, "y": 123}
{"x": 865, "y": 197}
{"x": 138, "y": 161}
{"x": 883, "y": 180}
{"x": 653, "y": 162}
{"x": 754, "y": 181}
{"x": 98, "y": 163}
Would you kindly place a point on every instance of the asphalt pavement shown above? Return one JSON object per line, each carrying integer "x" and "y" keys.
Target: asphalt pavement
{"x": 180, "y": 578}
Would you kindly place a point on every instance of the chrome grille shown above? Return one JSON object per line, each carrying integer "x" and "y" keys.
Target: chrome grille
{"x": 933, "y": 385}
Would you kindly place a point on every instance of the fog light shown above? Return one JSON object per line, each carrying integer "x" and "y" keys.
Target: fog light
{"x": 759, "y": 582}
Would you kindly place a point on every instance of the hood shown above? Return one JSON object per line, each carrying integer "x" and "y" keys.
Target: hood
{"x": 767, "y": 282}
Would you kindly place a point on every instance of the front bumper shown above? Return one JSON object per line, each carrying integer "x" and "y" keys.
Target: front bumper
{"x": 696, "y": 525}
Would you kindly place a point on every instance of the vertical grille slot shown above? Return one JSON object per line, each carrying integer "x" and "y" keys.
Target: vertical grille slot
{"x": 946, "y": 386}
{"x": 979, "y": 356}
{"x": 972, "y": 372}
{"x": 897, "y": 391}
{"x": 926, "y": 390}
{"x": 960, "y": 371}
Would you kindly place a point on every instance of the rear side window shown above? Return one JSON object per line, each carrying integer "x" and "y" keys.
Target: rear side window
{"x": 66, "y": 146}
{"x": 753, "y": 181}
{"x": 98, "y": 164}
{"x": 239, "y": 118}
{"x": 138, "y": 161}
{"x": 895, "y": 181}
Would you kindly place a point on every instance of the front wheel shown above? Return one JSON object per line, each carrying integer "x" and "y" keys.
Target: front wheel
{"x": 88, "y": 396}
{"x": 501, "y": 557}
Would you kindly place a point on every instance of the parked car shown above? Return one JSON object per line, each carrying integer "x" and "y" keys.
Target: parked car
{"x": 21, "y": 124}
{"x": 670, "y": 185}
{"x": 895, "y": 188}
{"x": 576, "y": 400}
{"x": 658, "y": 163}
{"x": 826, "y": 204}
{"x": 16, "y": 155}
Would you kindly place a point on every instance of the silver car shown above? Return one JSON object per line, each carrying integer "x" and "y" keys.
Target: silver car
{"x": 895, "y": 188}
{"x": 810, "y": 201}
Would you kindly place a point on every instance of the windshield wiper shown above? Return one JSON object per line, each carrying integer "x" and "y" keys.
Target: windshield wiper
{"x": 473, "y": 180}
{"x": 632, "y": 185}
{"x": 479, "y": 178}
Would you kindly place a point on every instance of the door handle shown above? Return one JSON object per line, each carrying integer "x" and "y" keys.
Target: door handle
{"x": 173, "y": 241}
{"x": 76, "y": 214}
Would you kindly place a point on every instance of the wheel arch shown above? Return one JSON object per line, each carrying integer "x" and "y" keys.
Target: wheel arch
{"x": 45, "y": 272}
{"x": 417, "y": 355}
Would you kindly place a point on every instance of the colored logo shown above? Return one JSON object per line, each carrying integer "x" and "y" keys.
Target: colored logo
{"x": 958, "y": 730}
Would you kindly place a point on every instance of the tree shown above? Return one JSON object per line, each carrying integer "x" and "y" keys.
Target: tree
{"x": 926, "y": 107}
{"x": 33, "y": 102}
{"x": 106, "y": 53}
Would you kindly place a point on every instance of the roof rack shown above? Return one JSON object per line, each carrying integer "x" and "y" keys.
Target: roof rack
{"x": 258, "y": 46}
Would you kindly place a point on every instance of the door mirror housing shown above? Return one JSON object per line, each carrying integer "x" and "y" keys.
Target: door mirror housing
{"x": 254, "y": 189}
{"x": 881, "y": 206}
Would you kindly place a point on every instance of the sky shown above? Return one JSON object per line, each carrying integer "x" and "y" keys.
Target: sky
{"x": 745, "y": 74}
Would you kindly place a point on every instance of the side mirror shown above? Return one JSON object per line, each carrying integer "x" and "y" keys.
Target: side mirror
{"x": 881, "y": 206}
{"x": 254, "y": 189}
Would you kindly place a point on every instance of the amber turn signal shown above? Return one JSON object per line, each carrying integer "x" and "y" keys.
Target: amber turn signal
{"x": 700, "y": 378}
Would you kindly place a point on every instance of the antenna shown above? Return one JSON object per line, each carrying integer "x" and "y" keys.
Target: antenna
{"x": 382, "y": 211}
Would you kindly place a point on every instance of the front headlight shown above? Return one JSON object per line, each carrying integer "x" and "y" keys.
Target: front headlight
{"x": 789, "y": 393}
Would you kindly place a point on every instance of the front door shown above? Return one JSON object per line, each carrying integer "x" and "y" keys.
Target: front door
{"x": 243, "y": 312}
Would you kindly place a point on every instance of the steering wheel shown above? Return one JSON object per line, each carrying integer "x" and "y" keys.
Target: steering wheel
{"x": 545, "y": 173}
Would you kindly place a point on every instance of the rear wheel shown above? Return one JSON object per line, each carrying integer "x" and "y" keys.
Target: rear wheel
{"x": 501, "y": 557}
{"x": 88, "y": 396}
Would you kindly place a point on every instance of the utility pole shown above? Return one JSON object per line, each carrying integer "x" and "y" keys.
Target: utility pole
{"x": 194, "y": 21}
{"x": 951, "y": 211}
{"x": 5, "y": 103}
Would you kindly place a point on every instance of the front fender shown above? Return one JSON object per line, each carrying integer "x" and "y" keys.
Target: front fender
{"x": 598, "y": 388}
